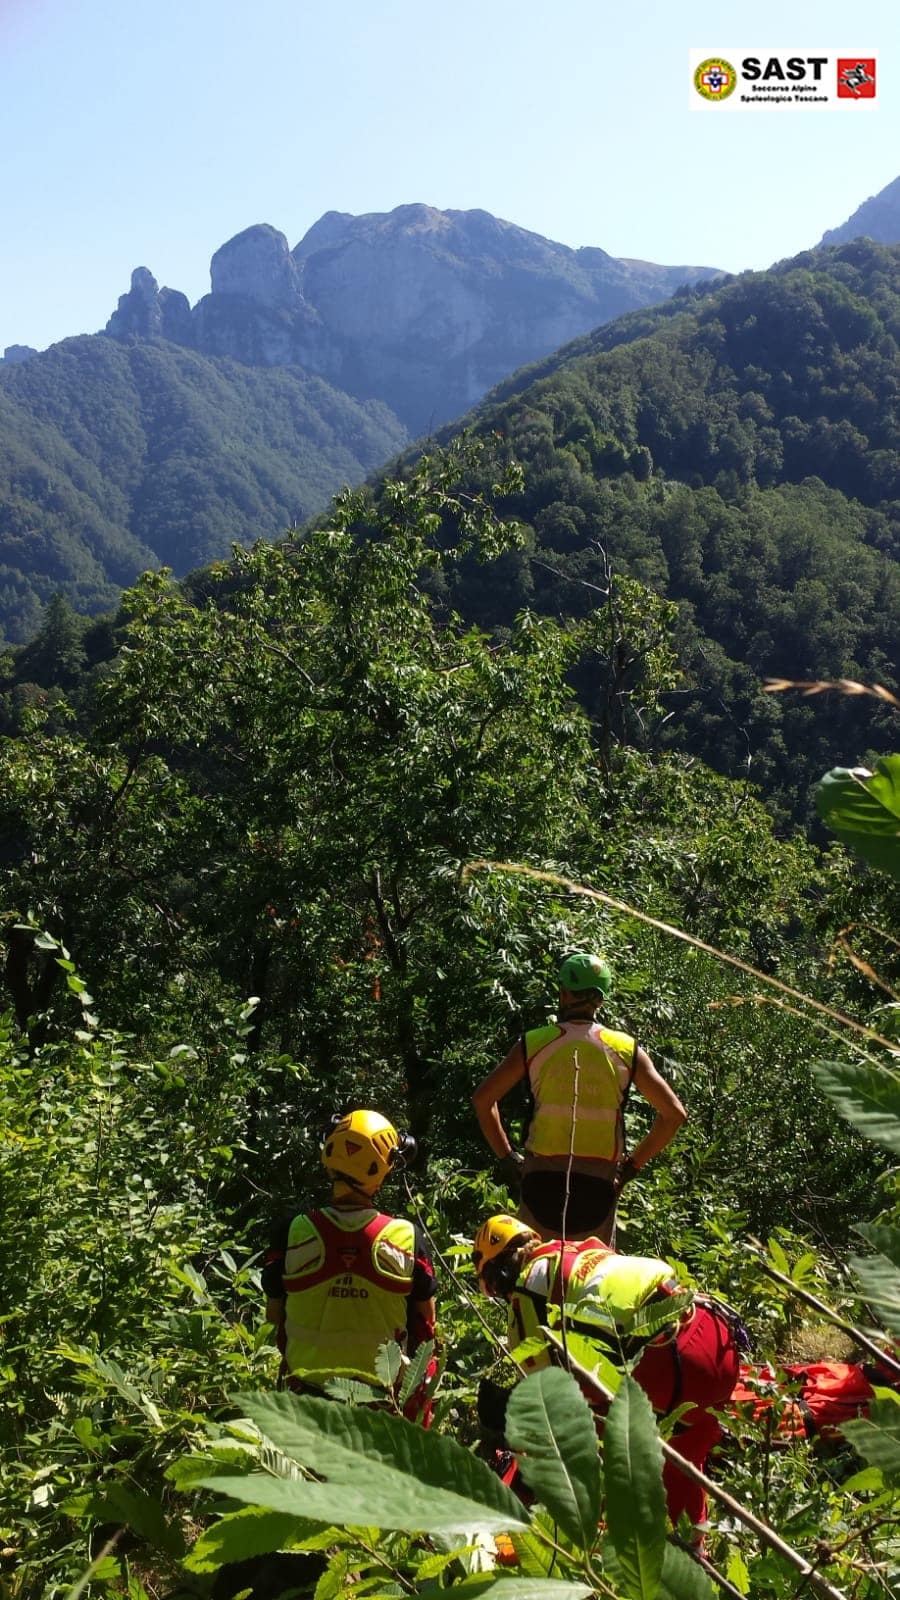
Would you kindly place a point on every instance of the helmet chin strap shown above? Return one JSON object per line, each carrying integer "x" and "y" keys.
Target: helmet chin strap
{"x": 344, "y": 1179}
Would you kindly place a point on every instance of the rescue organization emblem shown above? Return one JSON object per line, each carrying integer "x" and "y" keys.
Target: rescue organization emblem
{"x": 856, "y": 79}
{"x": 715, "y": 78}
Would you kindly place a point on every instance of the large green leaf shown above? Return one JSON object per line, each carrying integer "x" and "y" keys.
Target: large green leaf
{"x": 883, "y": 1237}
{"x": 550, "y": 1426}
{"x": 682, "y": 1578}
{"x": 652, "y": 1318}
{"x": 877, "y": 1437}
{"x": 415, "y": 1373}
{"x": 863, "y": 809}
{"x": 635, "y": 1498}
{"x": 391, "y": 1500}
{"x": 353, "y": 1392}
{"x": 536, "y": 1557}
{"x": 388, "y": 1361}
{"x": 251, "y": 1532}
{"x": 380, "y": 1471}
{"x": 434, "y": 1565}
{"x": 589, "y": 1355}
{"x": 867, "y": 1095}
{"x": 879, "y": 1275}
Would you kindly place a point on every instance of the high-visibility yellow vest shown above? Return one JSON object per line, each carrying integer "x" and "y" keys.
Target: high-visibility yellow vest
{"x": 593, "y": 1097}
{"x": 600, "y": 1291}
{"x": 347, "y": 1277}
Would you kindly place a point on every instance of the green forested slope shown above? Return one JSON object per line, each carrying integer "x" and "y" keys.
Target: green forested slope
{"x": 243, "y": 892}
{"x": 741, "y": 456}
{"x": 115, "y": 457}
{"x": 736, "y": 450}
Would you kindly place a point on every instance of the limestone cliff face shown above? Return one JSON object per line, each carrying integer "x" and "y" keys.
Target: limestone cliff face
{"x": 423, "y": 309}
{"x": 432, "y": 308}
{"x": 877, "y": 218}
{"x": 148, "y": 312}
{"x": 256, "y": 311}
{"x": 257, "y": 265}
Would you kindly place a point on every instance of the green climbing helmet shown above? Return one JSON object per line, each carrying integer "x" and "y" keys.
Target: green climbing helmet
{"x": 581, "y": 971}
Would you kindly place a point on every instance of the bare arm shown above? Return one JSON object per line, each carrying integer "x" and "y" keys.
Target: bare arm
{"x": 491, "y": 1091}
{"x": 275, "y": 1311}
{"x": 670, "y": 1112}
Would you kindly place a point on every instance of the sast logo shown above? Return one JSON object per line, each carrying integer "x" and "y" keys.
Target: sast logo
{"x": 780, "y": 80}
{"x": 715, "y": 78}
{"x": 856, "y": 78}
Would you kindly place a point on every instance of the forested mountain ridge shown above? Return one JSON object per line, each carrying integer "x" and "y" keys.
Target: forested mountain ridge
{"x": 740, "y": 452}
{"x": 877, "y": 218}
{"x": 421, "y": 308}
{"x": 187, "y": 429}
{"x": 116, "y": 457}
{"x": 737, "y": 450}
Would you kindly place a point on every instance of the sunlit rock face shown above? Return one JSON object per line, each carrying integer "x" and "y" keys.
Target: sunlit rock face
{"x": 257, "y": 264}
{"x": 421, "y": 308}
{"x": 148, "y": 312}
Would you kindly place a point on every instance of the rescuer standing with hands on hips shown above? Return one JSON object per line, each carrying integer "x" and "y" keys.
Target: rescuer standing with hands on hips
{"x": 580, "y": 1074}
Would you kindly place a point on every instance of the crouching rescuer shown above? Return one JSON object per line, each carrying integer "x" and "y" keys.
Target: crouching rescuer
{"x": 692, "y": 1359}
{"x": 346, "y": 1278}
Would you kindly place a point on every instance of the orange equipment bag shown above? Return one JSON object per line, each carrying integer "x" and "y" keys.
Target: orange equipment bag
{"x": 828, "y": 1393}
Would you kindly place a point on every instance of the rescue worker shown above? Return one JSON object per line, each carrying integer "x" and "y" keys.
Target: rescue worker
{"x": 345, "y": 1278}
{"x": 575, "y": 1165}
{"x": 693, "y": 1361}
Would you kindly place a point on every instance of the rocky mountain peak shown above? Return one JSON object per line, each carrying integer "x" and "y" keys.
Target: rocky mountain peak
{"x": 421, "y": 308}
{"x": 257, "y": 265}
{"x": 148, "y": 312}
{"x": 877, "y": 218}
{"x": 327, "y": 231}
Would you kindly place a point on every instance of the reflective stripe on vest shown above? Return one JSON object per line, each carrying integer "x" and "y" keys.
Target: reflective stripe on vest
{"x": 604, "y": 1068}
{"x": 347, "y": 1278}
{"x": 603, "y": 1291}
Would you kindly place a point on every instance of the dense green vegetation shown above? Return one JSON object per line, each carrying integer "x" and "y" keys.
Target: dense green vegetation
{"x": 734, "y": 450}
{"x": 251, "y": 883}
{"x": 116, "y": 457}
{"x": 737, "y": 451}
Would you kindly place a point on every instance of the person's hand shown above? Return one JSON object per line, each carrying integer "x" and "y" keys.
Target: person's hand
{"x": 511, "y": 1169}
{"x": 626, "y": 1172}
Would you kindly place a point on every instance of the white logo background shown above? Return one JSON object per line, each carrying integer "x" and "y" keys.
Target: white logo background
{"x": 812, "y": 85}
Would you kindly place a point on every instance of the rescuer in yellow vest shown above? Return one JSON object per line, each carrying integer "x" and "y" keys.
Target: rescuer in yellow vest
{"x": 345, "y": 1278}
{"x": 692, "y": 1360}
{"x": 580, "y": 1074}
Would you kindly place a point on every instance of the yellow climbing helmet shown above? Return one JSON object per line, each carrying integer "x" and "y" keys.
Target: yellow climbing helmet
{"x": 360, "y": 1149}
{"x": 492, "y": 1240}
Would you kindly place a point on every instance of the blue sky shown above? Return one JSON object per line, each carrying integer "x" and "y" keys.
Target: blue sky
{"x": 150, "y": 135}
